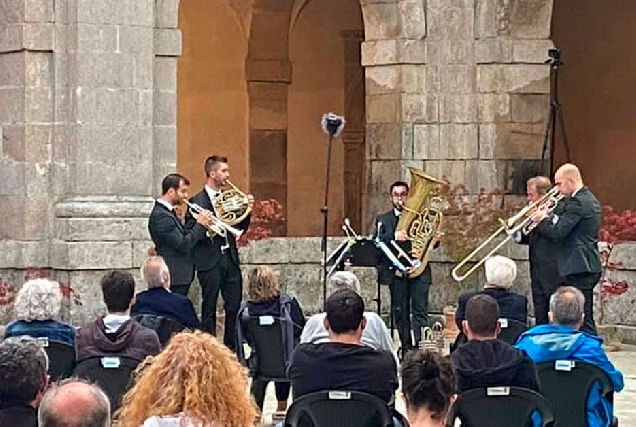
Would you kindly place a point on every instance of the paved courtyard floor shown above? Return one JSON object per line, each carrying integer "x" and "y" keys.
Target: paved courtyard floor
{"x": 625, "y": 401}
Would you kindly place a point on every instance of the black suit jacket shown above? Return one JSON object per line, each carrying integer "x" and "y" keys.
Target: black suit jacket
{"x": 207, "y": 252}
{"x": 511, "y": 305}
{"x": 160, "y": 302}
{"x": 174, "y": 243}
{"x": 386, "y": 270}
{"x": 543, "y": 265}
{"x": 576, "y": 234}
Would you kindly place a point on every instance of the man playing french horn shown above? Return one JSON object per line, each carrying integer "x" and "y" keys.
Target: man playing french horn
{"x": 216, "y": 258}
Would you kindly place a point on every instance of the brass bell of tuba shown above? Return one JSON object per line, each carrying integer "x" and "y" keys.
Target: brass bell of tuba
{"x": 421, "y": 217}
{"x": 231, "y": 205}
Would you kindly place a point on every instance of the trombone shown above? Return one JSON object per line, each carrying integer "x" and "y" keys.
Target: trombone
{"x": 217, "y": 227}
{"x": 518, "y": 222}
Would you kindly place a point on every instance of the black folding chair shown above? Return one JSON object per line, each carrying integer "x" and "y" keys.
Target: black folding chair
{"x": 61, "y": 358}
{"x": 267, "y": 338}
{"x": 339, "y": 409}
{"x": 500, "y": 407}
{"x": 163, "y": 326}
{"x": 510, "y": 330}
{"x": 566, "y": 384}
{"x": 112, "y": 373}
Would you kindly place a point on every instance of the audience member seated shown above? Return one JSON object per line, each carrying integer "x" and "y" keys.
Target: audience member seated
{"x": 375, "y": 334}
{"x": 429, "y": 385}
{"x": 116, "y": 334}
{"x": 343, "y": 363}
{"x": 74, "y": 403}
{"x": 501, "y": 273}
{"x": 23, "y": 380}
{"x": 485, "y": 361}
{"x": 266, "y": 299}
{"x": 194, "y": 381}
{"x": 158, "y": 300}
{"x": 562, "y": 340}
{"x": 37, "y": 306}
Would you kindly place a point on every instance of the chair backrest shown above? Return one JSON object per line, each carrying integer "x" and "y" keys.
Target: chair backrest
{"x": 339, "y": 408}
{"x": 510, "y": 330}
{"x": 112, "y": 373}
{"x": 61, "y": 358}
{"x": 500, "y": 407}
{"x": 268, "y": 344}
{"x": 566, "y": 384}
{"x": 163, "y": 326}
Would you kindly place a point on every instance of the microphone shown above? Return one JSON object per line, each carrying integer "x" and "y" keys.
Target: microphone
{"x": 332, "y": 124}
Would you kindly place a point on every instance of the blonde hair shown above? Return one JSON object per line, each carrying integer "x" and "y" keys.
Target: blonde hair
{"x": 194, "y": 375}
{"x": 38, "y": 299}
{"x": 262, "y": 284}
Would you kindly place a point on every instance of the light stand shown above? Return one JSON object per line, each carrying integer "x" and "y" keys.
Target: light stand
{"x": 556, "y": 113}
{"x": 332, "y": 125}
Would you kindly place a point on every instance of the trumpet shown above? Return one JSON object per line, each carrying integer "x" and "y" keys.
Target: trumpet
{"x": 217, "y": 227}
{"x": 519, "y": 222}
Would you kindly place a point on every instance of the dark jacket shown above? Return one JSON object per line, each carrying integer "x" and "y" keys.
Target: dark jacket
{"x": 52, "y": 329}
{"x": 493, "y": 363}
{"x": 131, "y": 340}
{"x": 511, "y": 305}
{"x": 207, "y": 252}
{"x": 271, "y": 307}
{"x": 576, "y": 234}
{"x": 174, "y": 243}
{"x": 543, "y": 265}
{"x": 17, "y": 414}
{"x": 386, "y": 271}
{"x": 160, "y": 302}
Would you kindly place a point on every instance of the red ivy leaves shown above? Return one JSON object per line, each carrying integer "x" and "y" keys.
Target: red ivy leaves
{"x": 7, "y": 293}
{"x": 618, "y": 227}
{"x": 266, "y": 215}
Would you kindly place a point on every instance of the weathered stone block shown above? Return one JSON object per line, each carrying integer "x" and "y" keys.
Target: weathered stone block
{"x": 91, "y": 255}
{"x": 511, "y": 141}
{"x": 486, "y": 23}
{"x": 384, "y": 79}
{"x": 493, "y": 50}
{"x": 101, "y": 229}
{"x": 413, "y": 18}
{"x": 450, "y": 23}
{"x": 383, "y": 174}
{"x": 458, "y": 78}
{"x": 38, "y": 11}
{"x": 105, "y": 178}
{"x": 12, "y": 142}
{"x": 420, "y": 108}
{"x": 11, "y": 38}
{"x": 8, "y": 253}
{"x": 427, "y": 142}
{"x": 493, "y": 107}
{"x": 304, "y": 279}
{"x": 413, "y": 78}
{"x": 625, "y": 255}
{"x": 164, "y": 146}
{"x": 530, "y": 19}
{"x": 530, "y": 108}
{"x": 38, "y": 68}
{"x": 520, "y": 78}
{"x": 38, "y": 104}
{"x": 93, "y": 37}
{"x": 393, "y": 51}
{"x": 305, "y": 250}
{"x": 531, "y": 51}
{"x": 384, "y": 108}
{"x": 12, "y": 181}
{"x": 139, "y": 40}
{"x": 458, "y": 108}
{"x": 271, "y": 251}
{"x": 165, "y": 108}
{"x": 12, "y": 105}
{"x": 166, "y": 13}
{"x": 12, "y": 72}
{"x": 104, "y": 207}
{"x": 36, "y": 178}
{"x": 382, "y": 20}
{"x": 458, "y": 141}
{"x": 38, "y": 215}
{"x": 38, "y": 36}
{"x": 165, "y": 74}
{"x": 167, "y": 42}
{"x": 384, "y": 141}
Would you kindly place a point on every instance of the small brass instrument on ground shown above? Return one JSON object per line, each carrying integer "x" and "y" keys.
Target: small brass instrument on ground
{"x": 519, "y": 222}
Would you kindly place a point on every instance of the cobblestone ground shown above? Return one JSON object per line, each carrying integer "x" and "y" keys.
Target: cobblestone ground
{"x": 625, "y": 360}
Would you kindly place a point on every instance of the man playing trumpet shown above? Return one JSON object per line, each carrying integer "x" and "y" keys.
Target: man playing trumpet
{"x": 574, "y": 228}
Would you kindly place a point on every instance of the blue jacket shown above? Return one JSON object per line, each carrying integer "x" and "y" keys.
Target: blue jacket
{"x": 52, "y": 329}
{"x": 160, "y": 302}
{"x": 547, "y": 343}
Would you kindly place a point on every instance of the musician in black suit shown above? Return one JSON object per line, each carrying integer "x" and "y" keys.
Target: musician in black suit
{"x": 172, "y": 241}
{"x": 403, "y": 289}
{"x": 544, "y": 276}
{"x": 216, "y": 260}
{"x": 574, "y": 228}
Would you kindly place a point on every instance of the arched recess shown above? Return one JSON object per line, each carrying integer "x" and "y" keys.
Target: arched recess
{"x": 213, "y": 107}
{"x": 324, "y": 51}
{"x": 595, "y": 38}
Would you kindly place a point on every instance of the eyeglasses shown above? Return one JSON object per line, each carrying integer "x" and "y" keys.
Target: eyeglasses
{"x": 399, "y": 194}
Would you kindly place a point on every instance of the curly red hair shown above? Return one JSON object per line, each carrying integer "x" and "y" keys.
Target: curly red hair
{"x": 195, "y": 375}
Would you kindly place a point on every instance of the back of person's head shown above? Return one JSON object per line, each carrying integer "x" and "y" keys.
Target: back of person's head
{"x": 429, "y": 383}
{"x": 482, "y": 316}
{"x": 194, "y": 374}
{"x": 345, "y": 311}
{"x": 342, "y": 280}
{"x": 74, "y": 403}
{"x": 23, "y": 367}
{"x": 155, "y": 272}
{"x": 118, "y": 290}
{"x": 38, "y": 299}
{"x": 500, "y": 271}
{"x": 262, "y": 284}
{"x": 566, "y": 307}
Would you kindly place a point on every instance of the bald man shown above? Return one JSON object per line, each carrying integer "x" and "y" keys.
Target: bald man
{"x": 74, "y": 403}
{"x": 574, "y": 228}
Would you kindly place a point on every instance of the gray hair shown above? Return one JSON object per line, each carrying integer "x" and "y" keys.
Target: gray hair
{"x": 94, "y": 405}
{"x": 342, "y": 280}
{"x": 23, "y": 367}
{"x": 154, "y": 271}
{"x": 566, "y": 306}
{"x": 38, "y": 299}
{"x": 500, "y": 271}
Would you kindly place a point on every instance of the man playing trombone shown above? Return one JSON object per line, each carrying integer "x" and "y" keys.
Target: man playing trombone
{"x": 172, "y": 241}
{"x": 574, "y": 229}
{"x": 544, "y": 276}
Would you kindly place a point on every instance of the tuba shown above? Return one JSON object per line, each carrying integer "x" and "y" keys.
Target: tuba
{"x": 421, "y": 217}
{"x": 231, "y": 205}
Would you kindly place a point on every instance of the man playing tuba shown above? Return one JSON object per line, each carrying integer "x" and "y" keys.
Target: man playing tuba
{"x": 216, "y": 259}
